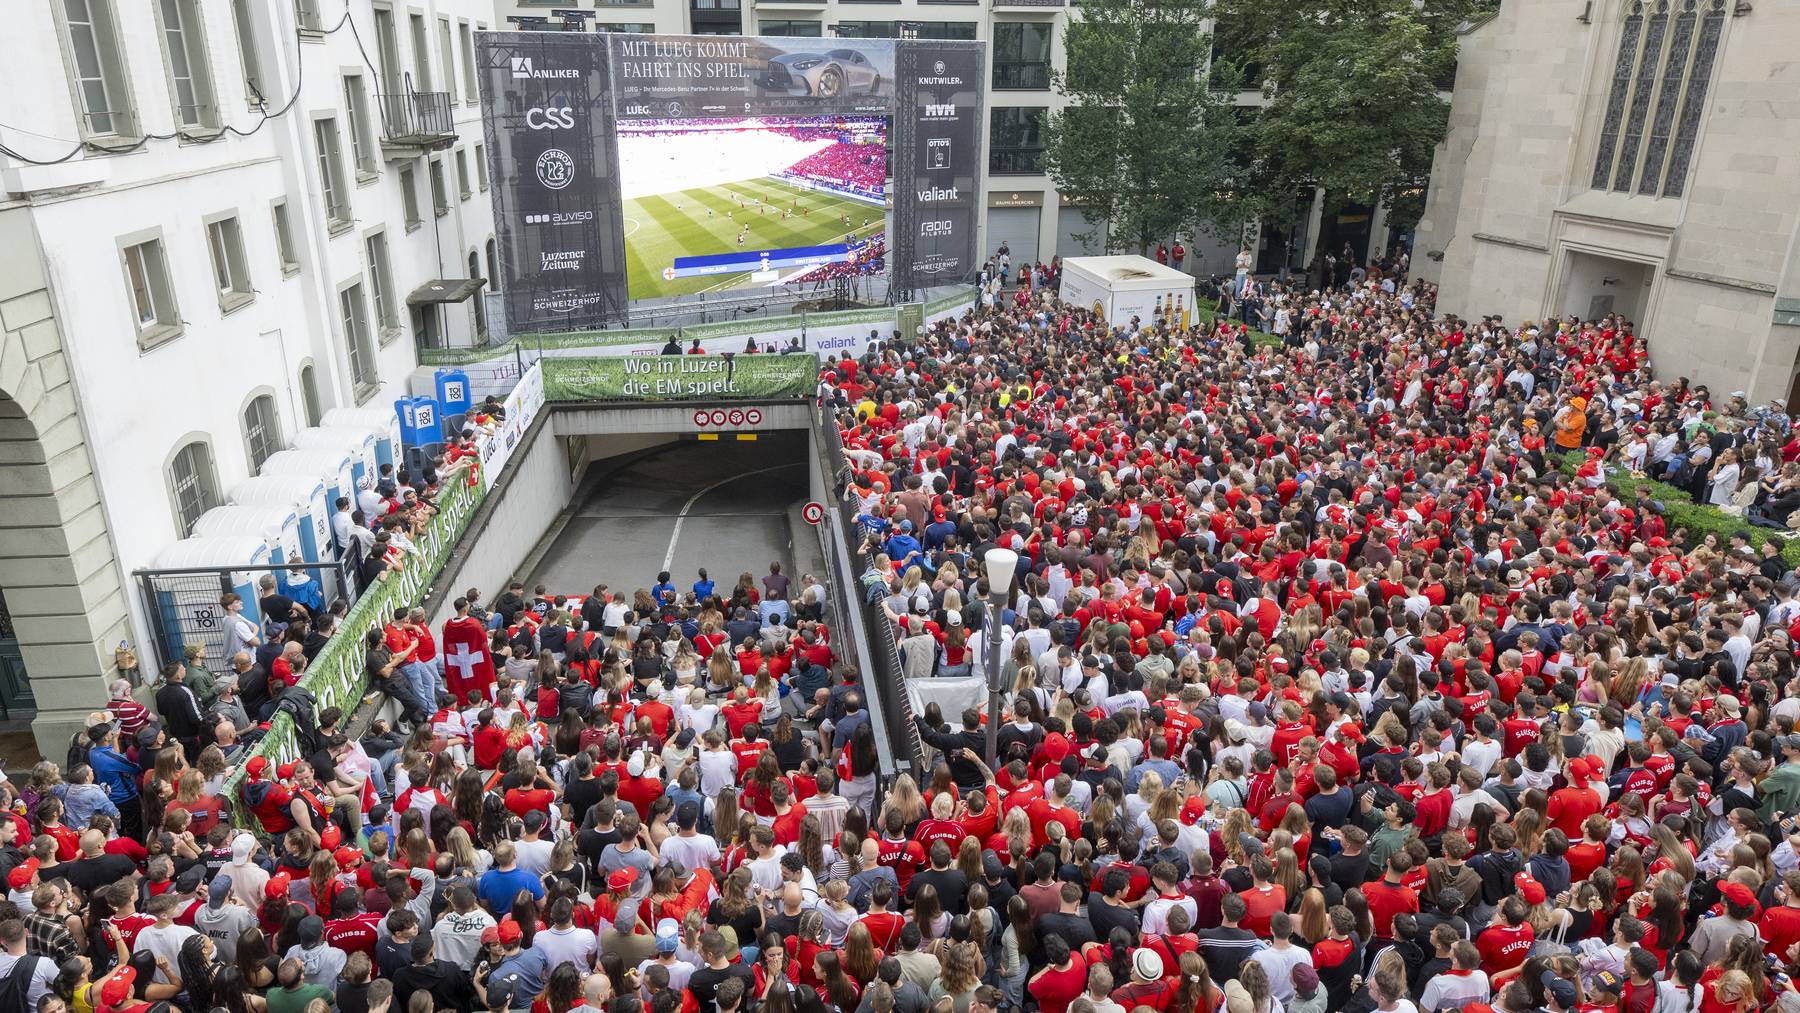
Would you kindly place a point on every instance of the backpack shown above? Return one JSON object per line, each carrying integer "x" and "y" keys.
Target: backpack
{"x": 17, "y": 984}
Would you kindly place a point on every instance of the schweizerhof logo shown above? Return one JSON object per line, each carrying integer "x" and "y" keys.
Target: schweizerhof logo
{"x": 522, "y": 68}
{"x": 936, "y": 264}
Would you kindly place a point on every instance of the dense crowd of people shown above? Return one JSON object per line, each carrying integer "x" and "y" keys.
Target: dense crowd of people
{"x": 850, "y": 163}
{"x": 1326, "y": 688}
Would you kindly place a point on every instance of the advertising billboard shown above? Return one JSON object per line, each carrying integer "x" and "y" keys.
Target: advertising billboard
{"x": 635, "y": 167}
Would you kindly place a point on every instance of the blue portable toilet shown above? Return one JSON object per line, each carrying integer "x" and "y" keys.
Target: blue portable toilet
{"x": 421, "y": 427}
{"x": 384, "y": 424}
{"x": 453, "y": 397}
{"x": 357, "y": 443}
{"x": 305, "y": 495}
{"x": 189, "y": 609}
{"x": 335, "y": 468}
{"x": 276, "y": 524}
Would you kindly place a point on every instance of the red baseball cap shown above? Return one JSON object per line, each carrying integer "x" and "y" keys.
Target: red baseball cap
{"x": 20, "y": 876}
{"x": 256, "y": 766}
{"x": 348, "y": 857}
{"x": 1529, "y": 888}
{"x": 1738, "y": 894}
{"x": 117, "y": 990}
{"x": 331, "y": 837}
{"x": 286, "y": 770}
{"x": 491, "y": 934}
{"x": 278, "y": 885}
{"x": 510, "y": 932}
{"x": 1193, "y": 809}
{"x": 621, "y": 879}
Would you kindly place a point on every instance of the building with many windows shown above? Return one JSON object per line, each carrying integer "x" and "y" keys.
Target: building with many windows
{"x": 1025, "y": 46}
{"x": 1632, "y": 156}
{"x": 219, "y": 219}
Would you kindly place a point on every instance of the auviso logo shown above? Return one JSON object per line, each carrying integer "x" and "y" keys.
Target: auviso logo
{"x": 522, "y": 68}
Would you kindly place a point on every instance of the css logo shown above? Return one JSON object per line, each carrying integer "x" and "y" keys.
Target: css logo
{"x": 550, "y": 118}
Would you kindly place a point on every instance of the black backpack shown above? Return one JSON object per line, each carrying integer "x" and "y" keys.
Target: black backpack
{"x": 16, "y": 986}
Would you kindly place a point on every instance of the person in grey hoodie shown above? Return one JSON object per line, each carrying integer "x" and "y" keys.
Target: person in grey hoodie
{"x": 321, "y": 964}
{"x": 223, "y": 918}
{"x": 82, "y": 798}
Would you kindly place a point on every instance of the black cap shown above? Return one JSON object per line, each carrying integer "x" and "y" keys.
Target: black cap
{"x": 1562, "y": 990}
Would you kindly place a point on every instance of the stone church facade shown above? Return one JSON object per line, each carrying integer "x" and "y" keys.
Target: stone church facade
{"x": 1632, "y": 156}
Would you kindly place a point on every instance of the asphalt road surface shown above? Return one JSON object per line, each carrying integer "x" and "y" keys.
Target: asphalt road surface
{"x": 721, "y": 505}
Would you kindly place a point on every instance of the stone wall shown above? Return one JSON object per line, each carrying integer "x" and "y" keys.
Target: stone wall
{"x": 56, "y": 558}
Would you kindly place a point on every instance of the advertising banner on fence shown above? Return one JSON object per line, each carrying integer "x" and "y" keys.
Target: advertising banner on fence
{"x": 680, "y": 377}
{"x": 633, "y": 167}
{"x": 522, "y": 408}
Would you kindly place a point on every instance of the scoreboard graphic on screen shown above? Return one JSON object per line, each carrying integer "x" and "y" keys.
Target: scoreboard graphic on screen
{"x": 633, "y": 167}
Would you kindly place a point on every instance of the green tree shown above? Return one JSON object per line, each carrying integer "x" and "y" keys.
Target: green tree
{"x": 1353, "y": 90}
{"x": 1145, "y": 145}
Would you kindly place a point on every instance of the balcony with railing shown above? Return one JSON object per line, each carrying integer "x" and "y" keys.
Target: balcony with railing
{"x": 415, "y": 121}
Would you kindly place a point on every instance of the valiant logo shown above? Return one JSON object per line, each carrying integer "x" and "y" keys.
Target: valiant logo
{"x": 522, "y": 69}
{"x": 937, "y": 193}
{"x": 562, "y": 260}
{"x": 940, "y": 110}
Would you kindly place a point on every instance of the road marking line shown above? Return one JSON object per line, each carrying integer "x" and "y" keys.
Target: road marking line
{"x": 675, "y": 536}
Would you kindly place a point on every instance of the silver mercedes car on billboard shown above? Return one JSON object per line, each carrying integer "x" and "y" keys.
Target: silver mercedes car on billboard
{"x": 831, "y": 74}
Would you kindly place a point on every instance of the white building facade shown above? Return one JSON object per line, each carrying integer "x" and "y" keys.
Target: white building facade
{"x": 1631, "y": 156}
{"x": 218, "y": 219}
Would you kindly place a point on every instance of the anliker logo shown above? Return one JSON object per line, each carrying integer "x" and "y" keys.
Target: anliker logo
{"x": 522, "y": 68}
{"x": 555, "y": 169}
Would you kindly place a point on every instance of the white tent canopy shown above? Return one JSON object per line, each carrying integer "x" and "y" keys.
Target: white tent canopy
{"x": 1125, "y": 287}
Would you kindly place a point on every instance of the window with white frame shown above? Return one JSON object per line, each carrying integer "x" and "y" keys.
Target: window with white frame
{"x": 262, "y": 431}
{"x": 284, "y": 239}
{"x": 332, "y": 186}
{"x": 190, "y": 71}
{"x": 249, "y": 58}
{"x": 470, "y": 92}
{"x": 309, "y": 395}
{"x": 193, "y": 485}
{"x": 1657, "y": 95}
{"x": 152, "y": 293}
{"x": 409, "y": 197}
{"x": 97, "y": 65}
{"x": 447, "y": 57}
{"x": 462, "y": 173}
{"x": 231, "y": 272}
{"x": 307, "y": 16}
{"x": 440, "y": 189}
{"x": 358, "y": 348}
{"x": 481, "y": 178}
{"x": 362, "y": 141}
{"x": 421, "y": 53}
{"x": 381, "y": 285}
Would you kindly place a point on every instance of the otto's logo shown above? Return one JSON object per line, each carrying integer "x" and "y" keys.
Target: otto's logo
{"x": 555, "y": 169}
{"x": 937, "y": 153}
{"x": 522, "y": 68}
{"x": 550, "y": 118}
{"x": 938, "y": 228}
{"x": 940, "y": 110}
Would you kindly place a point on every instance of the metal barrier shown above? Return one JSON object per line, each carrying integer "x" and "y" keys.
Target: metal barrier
{"x": 884, "y": 682}
{"x": 182, "y": 603}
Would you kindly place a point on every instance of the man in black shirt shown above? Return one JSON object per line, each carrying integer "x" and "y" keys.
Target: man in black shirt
{"x": 95, "y": 868}
{"x": 1067, "y": 921}
{"x": 951, "y": 885}
{"x": 705, "y": 982}
{"x": 1107, "y": 909}
{"x": 448, "y": 984}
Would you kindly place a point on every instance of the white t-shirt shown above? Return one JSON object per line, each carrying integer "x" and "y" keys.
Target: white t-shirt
{"x": 41, "y": 977}
{"x": 164, "y": 943}
{"x": 573, "y": 945}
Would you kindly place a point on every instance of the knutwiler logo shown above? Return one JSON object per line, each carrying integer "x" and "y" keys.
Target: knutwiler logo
{"x": 941, "y": 79}
{"x": 522, "y": 68}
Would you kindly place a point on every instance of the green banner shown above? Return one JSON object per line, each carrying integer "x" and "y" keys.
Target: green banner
{"x": 680, "y": 377}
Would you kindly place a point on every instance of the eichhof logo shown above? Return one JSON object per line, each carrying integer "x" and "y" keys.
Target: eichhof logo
{"x": 522, "y": 69}
{"x": 555, "y": 169}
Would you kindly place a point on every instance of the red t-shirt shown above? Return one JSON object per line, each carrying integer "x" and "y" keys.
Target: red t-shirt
{"x": 1504, "y": 947}
{"x": 355, "y": 934}
{"x": 1055, "y": 989}
{"x": 1261, "y": 903}
{"x": 520, "y": 801}
{"x": 1387, "y": 900}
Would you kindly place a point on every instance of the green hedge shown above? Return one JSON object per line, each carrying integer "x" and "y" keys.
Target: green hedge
{"x": 336, "y": 677}
{"x": 1207, "y": 309}
{"x": 1680, "y": 510}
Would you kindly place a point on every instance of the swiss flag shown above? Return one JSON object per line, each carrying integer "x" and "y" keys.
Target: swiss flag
{"x": 468, "y": 664}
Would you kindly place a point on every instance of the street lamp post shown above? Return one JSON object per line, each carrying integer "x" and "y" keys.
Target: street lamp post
{"x": 1001, "y": 566}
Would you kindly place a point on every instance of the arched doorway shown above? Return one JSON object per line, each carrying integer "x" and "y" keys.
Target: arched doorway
{"x": 64, "y": 599}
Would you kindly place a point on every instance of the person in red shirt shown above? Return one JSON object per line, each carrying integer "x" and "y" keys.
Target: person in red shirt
{"x": 1264, "y": 898}
{"x": 884, "y": 926}
{"x": 940, "y": 826}
{"x": 788, "y": 814}
{"x": 1275, "y": 808}
{"x": 1571, "y": 806}
{"x": 1780, "y": 924}
{"x": 1388, "y": 896}
{"x": 1590, "y": 852}
{"x": 1052, "y": 808}
{"x": 1063, "y": 978}
{"x": 539, "y": 793}
{"x": 1433, "y": 807}
{"x": 1506, "y": 942}
{"x": 351, "y": 928}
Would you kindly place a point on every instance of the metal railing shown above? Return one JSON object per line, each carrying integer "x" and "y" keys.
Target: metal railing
{"x": 884, "y": 681}
{"x": 416, "y": 117}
